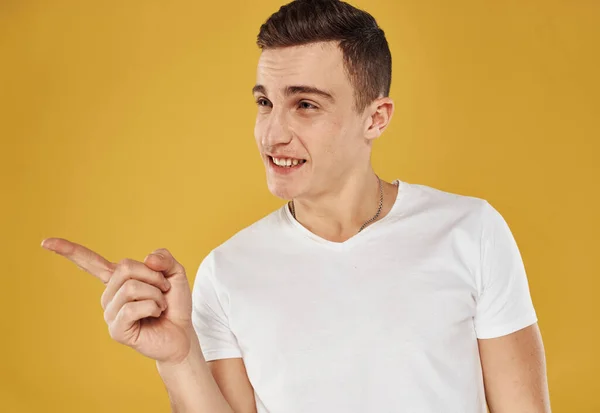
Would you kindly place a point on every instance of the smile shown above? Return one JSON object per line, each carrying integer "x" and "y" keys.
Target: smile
{"x": 285, "y": 165}
{"x": 287, "y": 162}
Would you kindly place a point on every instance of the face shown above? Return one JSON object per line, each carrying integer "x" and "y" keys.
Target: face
{"x": 309, "y": 135}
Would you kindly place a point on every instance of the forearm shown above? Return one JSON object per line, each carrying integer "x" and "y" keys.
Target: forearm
{"x": 191, "y": 386}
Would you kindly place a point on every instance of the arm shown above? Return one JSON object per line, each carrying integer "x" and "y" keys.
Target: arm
{"x": 169, "y": 335}
{"x": 514, "y": 372}
{"x": 232, "y": 379}
{"x": 510, "y": 345}
{"x": 191, "y": 386}
{"x": 220, "y": 385}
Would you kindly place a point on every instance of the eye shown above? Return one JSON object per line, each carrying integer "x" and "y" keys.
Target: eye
{"x": 306, "y": 105}
{"x": 262, "y": 101}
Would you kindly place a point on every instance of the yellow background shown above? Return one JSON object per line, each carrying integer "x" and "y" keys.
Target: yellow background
{"x": 128, "y": 126}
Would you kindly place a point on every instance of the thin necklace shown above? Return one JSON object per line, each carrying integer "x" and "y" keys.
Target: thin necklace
{"x": 293, "y": 209}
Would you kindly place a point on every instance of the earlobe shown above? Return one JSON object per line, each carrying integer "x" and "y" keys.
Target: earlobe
{"x": 375, "y": 128}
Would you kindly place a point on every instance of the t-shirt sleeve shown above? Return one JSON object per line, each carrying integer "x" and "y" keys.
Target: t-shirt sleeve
{"x": 209, "y": 316}
{"x": 504, "y": 302}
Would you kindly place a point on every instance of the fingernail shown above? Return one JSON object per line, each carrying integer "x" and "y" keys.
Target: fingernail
{"x": 160, "y": 257}
{"x": 167, "y": 284}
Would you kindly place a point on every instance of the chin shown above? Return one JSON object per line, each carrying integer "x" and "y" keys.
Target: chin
{"x": 282, "y": 189}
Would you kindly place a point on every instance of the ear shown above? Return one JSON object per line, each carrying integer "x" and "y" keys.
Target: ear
{"x": 380, "y": 113}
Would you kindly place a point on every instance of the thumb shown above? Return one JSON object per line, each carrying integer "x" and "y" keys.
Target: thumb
{"x": 161, "y": 260}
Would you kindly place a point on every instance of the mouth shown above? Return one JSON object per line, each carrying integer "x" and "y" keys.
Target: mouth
{"x": 286, "y": 162}
{"x": 285, "y": 165}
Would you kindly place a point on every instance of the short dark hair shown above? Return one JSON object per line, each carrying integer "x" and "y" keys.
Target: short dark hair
{"x": 367, "y": 57}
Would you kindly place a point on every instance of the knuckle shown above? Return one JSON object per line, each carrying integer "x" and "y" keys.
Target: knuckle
{"x": 180, "y": 268}
{"x": 127, "y": 311}
{"x": 115, "y": 334}
{"x": 103, "y": 300}
{"x": 123, "y": 261}
{"x": 118, "y": 279}
{"x": 125, "y": 265}
{"x": 131, "y": 288}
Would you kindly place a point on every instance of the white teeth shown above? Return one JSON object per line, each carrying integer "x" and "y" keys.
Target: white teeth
{"x": 286, "y": 162}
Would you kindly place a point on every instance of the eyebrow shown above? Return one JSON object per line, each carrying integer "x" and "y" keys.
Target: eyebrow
{"x": 295, "y": 90}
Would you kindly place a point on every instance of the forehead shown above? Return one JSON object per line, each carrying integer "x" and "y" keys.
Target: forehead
{"x": 317, "y": 64}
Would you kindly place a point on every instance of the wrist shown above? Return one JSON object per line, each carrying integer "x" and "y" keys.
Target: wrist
{"x": 180, "y": 362}
{"x": 190, "y": 384}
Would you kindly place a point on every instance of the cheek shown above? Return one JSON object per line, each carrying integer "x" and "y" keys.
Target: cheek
{"x": 258, "y": 130}
{"x": 322, "y": 146}
{"x": 331, "y": 138}
{"x": 341, "y": 145}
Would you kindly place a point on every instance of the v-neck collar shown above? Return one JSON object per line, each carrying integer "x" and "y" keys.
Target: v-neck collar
{"x": 299, "y": 228}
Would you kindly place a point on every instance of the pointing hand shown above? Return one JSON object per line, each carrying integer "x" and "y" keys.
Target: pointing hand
{"x": 147, "y": 305}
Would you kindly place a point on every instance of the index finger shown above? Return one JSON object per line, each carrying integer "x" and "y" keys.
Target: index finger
{"x": 83, "y": 257}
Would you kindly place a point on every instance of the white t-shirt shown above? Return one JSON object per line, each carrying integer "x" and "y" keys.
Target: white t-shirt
{"x": 386, "y": 321}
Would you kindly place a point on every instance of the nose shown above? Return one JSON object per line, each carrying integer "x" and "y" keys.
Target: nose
{"x": 275, "y": 130}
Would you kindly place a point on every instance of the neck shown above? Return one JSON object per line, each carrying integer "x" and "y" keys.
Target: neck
{"x": 338, "y": 213}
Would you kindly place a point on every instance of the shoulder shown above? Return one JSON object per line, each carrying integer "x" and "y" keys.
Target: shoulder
{"x": 257, "y": 234}
{"x": 467, "y": 216}
{"x": 261, "y": 235}
{"x": 436, "y": 202}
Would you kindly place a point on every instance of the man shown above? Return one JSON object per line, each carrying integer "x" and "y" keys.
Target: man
{"x": 358, "y": 295}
